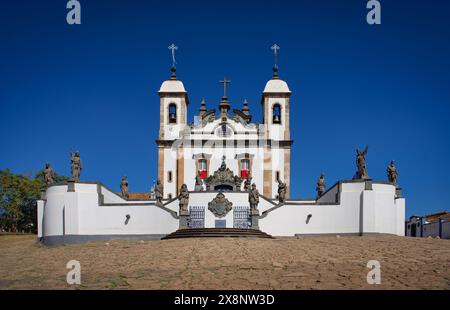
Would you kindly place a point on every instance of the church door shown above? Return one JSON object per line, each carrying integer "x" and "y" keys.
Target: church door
{"x": 413, "y": 230}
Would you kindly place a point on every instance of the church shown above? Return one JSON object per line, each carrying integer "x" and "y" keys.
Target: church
{"x": 221, "y": 175}
{"x": 260, "y": 152}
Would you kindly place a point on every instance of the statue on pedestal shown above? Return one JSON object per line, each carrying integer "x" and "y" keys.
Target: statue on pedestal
{"x": 198, "y": 184}
{"x": 281, "y": 191}
{"x": 253, "y": 198}
{"x": 124, "y": 187}
{"x": 361, "y": 164}
{"x": 49, "y": 175}
{"x": 320, "y": 188}
{"x": 159, "y": 192}
{"x": 75, "y": 166}
{"x": 183, "y": 197}
{"x": 248, "y": 184}
{"x": 392, "y": 173}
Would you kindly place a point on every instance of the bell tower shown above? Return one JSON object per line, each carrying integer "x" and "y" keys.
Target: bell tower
{"x": 275, "y": 103}
{"x": 172, "y": 123}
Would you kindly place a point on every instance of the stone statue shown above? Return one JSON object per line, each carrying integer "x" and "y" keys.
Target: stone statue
{"x": 223, "y": 166}
{"x": 124, "y": 187}
{"x": 183, "y": 197}
{"x": 159, "y": 192}
{"x": 361, "y": 164}
{"x": 247, "y": 184}
{"x": 320, "y": 188}
{"x": 48, "y": 175}
{"x": 75, "y": 166}
{"x": 253, "y": 198}
{"x": 281, "y": 191}
{"x": 237, "y": 182}
{"x": 198, "y": 184}
{"x": 392, "y": 173}
{"x": 152, "y": 190}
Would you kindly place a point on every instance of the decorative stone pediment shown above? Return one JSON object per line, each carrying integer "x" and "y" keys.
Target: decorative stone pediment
{"x": 220, "y": 206}
{"x": 223, "y": 179}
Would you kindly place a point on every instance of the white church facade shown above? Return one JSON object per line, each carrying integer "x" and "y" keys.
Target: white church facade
{"x": 260, "y": 151}
{"x": 218, "y": 156}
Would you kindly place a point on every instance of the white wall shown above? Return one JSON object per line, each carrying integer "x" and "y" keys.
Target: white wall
{"x": 359, "y": 211}
{"x": 78, "y": 213}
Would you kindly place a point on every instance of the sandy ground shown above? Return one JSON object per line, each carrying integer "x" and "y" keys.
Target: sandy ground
{"x": 285, "y": 263}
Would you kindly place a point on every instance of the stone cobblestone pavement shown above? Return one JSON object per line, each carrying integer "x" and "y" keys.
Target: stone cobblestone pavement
{"x": 226, "y": 263}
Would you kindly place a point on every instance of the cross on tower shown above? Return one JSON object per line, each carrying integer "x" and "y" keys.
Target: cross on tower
{"x": 173, "y": 48}
{"x": 225, "y": 82}
{"x": 275, "y": 49}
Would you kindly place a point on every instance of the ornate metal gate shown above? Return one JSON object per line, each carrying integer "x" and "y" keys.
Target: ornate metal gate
{"x": 241, "y": 217}
{"x": 196, "y": 217}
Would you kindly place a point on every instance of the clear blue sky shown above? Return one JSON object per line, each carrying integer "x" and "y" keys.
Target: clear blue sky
{"x": 94, "y": 86}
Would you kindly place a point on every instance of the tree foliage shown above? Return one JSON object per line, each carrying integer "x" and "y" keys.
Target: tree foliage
{"x": 18, "y": 196}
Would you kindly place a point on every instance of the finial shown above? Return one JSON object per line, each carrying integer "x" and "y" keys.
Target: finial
{"x": 245, "y": 108}
{"x": 173, "y": 69}
{"x": 203, "y": 106}
{"x": 275, "y": 49}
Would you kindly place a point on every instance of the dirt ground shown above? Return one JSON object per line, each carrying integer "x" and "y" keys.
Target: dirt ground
{"x": 285, "y": 263}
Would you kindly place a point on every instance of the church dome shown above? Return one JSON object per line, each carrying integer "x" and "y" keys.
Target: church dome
{"x": 276, "y": 86}
{"x": 172, "y": 86}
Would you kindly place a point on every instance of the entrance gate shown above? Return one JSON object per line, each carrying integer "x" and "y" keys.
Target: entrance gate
{"x": 196, "y": 217}
{"x": 241, "y": 217}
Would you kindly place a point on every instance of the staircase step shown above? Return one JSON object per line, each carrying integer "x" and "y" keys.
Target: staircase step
{"x": 217, "y": 233}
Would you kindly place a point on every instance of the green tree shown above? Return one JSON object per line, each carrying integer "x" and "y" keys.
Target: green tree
{"x": 18, "y": 196}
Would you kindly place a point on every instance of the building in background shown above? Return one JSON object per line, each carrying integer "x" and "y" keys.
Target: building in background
{"x": 431, "y": 225}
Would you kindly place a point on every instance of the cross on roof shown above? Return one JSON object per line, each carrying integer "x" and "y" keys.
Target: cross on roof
{"x": 275, "y": 49}
{"x": 225, "y": 82}
{"x": 173, "y": 48}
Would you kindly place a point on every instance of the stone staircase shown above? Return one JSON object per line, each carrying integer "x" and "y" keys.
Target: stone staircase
{"x": 216, "y": 233}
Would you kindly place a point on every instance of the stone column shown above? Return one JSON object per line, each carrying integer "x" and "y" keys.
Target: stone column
{"x": 255, "y": 219}
{"x": 184, "y": 219}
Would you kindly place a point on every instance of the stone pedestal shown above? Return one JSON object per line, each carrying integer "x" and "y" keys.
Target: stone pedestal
{"x": 184, "y": 219}
{"x": 43, "y": 196}
{"x": 255, "y": 219}
{"x": 398, "y": 192}
{"x": 71, "y": 185}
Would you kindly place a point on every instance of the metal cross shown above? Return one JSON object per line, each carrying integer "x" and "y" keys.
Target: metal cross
{"x": 225, "y": 82}
{"x": 173, "y": 47}
{"x": 275, "y": 49}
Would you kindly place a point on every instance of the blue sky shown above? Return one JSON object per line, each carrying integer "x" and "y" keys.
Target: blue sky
{"x": 94, "y": 86}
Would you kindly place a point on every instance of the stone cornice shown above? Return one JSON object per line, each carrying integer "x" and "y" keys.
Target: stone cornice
{"x": 224, "y": 143}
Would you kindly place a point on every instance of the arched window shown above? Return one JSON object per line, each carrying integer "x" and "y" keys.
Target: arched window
{"x": 276, "y": 118}
{"x": 172, "y": 113}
